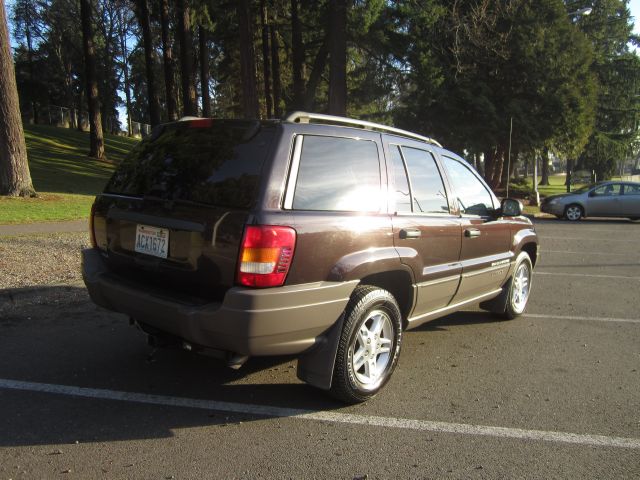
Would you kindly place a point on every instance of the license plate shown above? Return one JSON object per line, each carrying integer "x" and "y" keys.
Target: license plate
{"x": 152, "y": 241}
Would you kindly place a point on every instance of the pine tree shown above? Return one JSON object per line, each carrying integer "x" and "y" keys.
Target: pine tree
{"x": 15, "y": 178}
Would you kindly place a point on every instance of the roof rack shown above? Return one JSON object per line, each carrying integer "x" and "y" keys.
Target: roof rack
{"x": 306, "y": 117}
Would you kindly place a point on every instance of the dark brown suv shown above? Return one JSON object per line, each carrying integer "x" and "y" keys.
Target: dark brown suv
{"x": 319, "y": 236}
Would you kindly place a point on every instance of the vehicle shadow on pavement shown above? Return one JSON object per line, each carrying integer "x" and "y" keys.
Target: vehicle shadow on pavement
{"x": 457, "y": 319}
{"x": 57, "y": 336}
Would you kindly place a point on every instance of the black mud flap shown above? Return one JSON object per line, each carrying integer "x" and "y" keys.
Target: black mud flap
{"x": 498, "y": 304}
{"x": 315, "y": 367}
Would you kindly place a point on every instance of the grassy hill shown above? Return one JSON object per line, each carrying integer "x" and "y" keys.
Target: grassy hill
{"x": 64, "y": 177}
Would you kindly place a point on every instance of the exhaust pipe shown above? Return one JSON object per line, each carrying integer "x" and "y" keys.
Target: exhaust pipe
{"x": 235, "y": 360}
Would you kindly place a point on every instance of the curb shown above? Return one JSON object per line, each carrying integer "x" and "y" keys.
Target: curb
{"x": 44, "y": 227}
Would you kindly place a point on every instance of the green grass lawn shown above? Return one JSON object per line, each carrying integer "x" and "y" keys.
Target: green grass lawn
{"x": 64, "y": 177}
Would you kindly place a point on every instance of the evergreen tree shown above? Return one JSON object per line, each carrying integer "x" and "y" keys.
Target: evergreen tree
{"x": 609, "y": 28}
{"x": 15, "y": 178}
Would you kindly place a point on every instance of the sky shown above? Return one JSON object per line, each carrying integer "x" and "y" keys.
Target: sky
{"x": 634, "y": 6}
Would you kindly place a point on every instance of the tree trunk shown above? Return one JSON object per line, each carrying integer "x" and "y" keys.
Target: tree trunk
{"x": 69, "y": 96}
{"x": 275, "y": 66}
{"x": 34, "y": 106}
{"x": 125, "y": 69}
{"x": 145, "y": 24}
{"x": 96, "y": 138}
{"x": 167, "y": 57}
{"x": 338, "y": 57}
{"x": 204, "y": 71}
{"x": 190, "y": 103}
{"x": 250, "y": 106}
{"x": 489, "y": 166}
{"x": 15, "y": 178}
{"x": 315, "y": 76}
{"x": 109, "y": 91}
{"x": 297, "y": 54}
{"x": 80, "y": 107}
{"x": 498, "y": 167}
{"x": 544, "y": 180}
{"x": 265, "y": 59}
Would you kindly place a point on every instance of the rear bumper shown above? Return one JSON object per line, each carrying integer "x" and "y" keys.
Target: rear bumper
{"x": 272, "y": 321}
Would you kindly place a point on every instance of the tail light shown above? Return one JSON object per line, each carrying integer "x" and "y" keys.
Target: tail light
{"x": 265, "y": 255}
{"x": 97, "y": 229}
{"x": 92, "y": 232}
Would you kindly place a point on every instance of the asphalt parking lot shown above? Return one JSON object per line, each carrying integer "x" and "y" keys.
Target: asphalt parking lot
{"x": 553, "y": 394}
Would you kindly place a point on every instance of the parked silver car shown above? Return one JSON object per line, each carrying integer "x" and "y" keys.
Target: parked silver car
{"x": 604, "y": 199}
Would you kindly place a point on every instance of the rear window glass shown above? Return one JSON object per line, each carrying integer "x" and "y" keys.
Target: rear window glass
{"x": 339, "y": 174}
{"x": 217, "y": 165}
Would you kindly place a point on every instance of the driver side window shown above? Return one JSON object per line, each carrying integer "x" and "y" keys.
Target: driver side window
{"x": 607, "y": 190}
{"x": 473, "y": 197}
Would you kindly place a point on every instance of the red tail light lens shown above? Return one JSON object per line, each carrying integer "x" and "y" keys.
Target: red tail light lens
{"x": 201, "y": 123}
{"x": 97, "y": 229}
{"x": 265, "y": 255}
{"x": 92, "y": 232}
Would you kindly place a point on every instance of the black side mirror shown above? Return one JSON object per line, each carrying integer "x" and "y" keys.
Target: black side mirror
{"x": 510, "y": 207}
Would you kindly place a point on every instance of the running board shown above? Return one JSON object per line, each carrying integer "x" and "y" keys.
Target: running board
{"x": 441, "y": 312}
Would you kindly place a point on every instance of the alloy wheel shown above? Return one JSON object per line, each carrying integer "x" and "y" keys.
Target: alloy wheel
{"x": 370, "y": 351}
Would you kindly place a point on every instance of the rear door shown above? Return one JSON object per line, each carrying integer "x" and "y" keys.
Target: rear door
{"x": 605, "y": 200}
{"x": 485, "y": 252}
{"x": 631, "y": 200}
{"x": 426, "y": 233}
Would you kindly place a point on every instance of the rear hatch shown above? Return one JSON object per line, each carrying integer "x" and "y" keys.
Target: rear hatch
{"x": 172, "y": 216}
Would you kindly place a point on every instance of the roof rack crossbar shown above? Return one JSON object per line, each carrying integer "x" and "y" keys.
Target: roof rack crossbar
{"x": 306, "y": 117}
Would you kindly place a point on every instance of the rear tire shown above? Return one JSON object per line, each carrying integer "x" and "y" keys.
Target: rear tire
{"x": 519, "y": 287}
{"x": 573, "y": 212}
{"x": 369, "y": 345}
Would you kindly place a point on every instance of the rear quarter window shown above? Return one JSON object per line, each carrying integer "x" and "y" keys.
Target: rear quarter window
{"x": 217, "y": 165}
{"x": 338, "y": 174}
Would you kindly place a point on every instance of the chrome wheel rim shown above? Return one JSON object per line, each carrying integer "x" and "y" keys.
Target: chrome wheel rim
{"x": 521, "y": 287}
{"x": 370, "y": 352}
{"x": 574, "y": 213}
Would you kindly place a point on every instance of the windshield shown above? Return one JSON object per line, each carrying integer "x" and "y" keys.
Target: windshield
{"x": 218, "y": 164}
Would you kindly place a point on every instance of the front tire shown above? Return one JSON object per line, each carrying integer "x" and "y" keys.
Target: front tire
{"x": 519, "y": 287}
{"x": 573, "y": 212}
{"x": 369, "y": 345}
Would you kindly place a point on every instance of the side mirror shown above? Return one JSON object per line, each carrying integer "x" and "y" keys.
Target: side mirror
{"x": 510, "y": 207}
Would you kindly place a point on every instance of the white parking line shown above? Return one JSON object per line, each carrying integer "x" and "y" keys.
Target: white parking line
{"x": 586, "y": 275}
{"x": 576, "y": 317}
{"x": 549, "y": 237}
{"x": 334, "y": 417}
{"x": 570, "y": 252}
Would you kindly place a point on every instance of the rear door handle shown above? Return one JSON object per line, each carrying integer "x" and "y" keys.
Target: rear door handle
{"x": 472, "y": 233}
{"x": 410, "y": 233}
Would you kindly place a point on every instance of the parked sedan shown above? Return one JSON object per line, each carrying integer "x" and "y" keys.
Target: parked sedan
{"x": 605, "y": 199}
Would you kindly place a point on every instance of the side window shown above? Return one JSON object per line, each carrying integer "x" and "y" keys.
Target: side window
{"x": 427, "y": 187}
{"x": 402, "y": 194}
{"x": 607, "y": 190}
{"x": 473, "y": 197}
{"x": 631, "y": 189}
{"x": 339, "y": 174}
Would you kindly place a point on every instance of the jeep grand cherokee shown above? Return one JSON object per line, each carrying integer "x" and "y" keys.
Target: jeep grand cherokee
{"x": 319, "y": 236}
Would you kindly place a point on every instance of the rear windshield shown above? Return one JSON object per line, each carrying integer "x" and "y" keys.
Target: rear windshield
{"x": 217, "y": 164}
